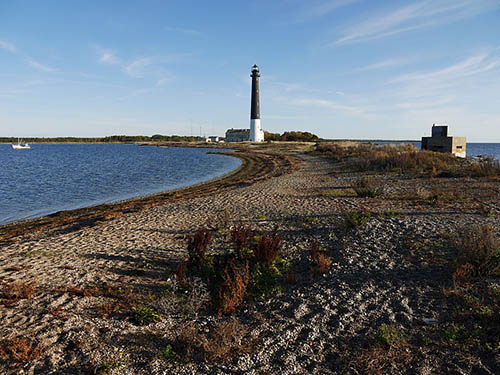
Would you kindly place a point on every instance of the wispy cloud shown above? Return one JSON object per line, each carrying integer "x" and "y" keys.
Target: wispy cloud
{"x": 320, "y": 8}
{"x": 136, "y": 68}
{"x": 164, "y": 81}
{"x": 108, "y": 57}
{"x": 389, "y": 63}
{"x": 360, "y": 111}
{"x": 41, "y": 67}
{"x": 473, "y": 65}
{"x": 7, "y": 46}
{"x": 181, "y": 30}
{"x": 418, "y": 15}
{"x": 105, "y": 55}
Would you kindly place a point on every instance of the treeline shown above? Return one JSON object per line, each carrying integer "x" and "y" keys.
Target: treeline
{"x": 109, "y": 139}
{"x": 291, "y": 137}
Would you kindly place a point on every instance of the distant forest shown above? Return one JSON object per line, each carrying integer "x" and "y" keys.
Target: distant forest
{"x": 109, "y": 139}
{"x": 291, "y": 137}
{"x": 286, "y": 136}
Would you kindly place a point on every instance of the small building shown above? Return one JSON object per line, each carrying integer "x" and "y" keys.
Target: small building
{"x": 212, "y": 138}
{"x": 237, "y": 135}
{"x": 441, "y": 142}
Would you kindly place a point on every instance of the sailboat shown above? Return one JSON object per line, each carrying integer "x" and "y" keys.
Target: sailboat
{"x": 21, "y": 146}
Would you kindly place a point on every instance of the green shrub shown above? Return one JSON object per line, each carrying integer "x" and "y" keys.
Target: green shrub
{"x": 389, "y": 336}
{"x": 356, "y": 219}
{"x": 145, "y": 315}
{"x": 167, "y": 353}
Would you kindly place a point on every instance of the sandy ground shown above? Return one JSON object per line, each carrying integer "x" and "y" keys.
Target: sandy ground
{"x": 318, "y": 325}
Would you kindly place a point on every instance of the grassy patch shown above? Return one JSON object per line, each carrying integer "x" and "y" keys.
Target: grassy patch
{"x": 356, "y": 219}
{"x": 145, "y": 315}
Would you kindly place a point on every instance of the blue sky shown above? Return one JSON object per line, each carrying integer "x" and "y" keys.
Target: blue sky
{"x": 338, "y": 68}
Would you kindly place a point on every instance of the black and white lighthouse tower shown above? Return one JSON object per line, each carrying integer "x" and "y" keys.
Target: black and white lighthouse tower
{"x": 256, "y": 133}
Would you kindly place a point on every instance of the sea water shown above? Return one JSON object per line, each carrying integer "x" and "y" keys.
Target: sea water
{"x": 54, "y": 177}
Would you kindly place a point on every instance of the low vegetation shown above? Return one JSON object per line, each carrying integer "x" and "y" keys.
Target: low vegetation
{"x": 220, "y": 343}
{"x": 17, "y": 351}
{"x": 320, "y": 263}
{"x": 13, "y": 292}
{"x": 251, "y": 270}
{"x": 367, "y": 187}
{"x": 478, "y": 252}
{"x": 406, "y": 159}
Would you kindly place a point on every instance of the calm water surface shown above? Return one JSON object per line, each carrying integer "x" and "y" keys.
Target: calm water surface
{"x": 50, "y": 178}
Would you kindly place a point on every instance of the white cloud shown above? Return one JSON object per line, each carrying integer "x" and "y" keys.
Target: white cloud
{"x": 41, "y": 67}
{"x": 136, "y": 68}
{"x": 418, "y": 15}
{"x": 7, "y": 46}
{"x": 108, "y": 57}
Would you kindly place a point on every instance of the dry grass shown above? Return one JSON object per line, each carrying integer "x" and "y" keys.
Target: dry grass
{"x": 479, "y": 247}
{"x": 20, "y": 350}
{"x": 407, "y": 159}
{"x": 224, "y": 341}
{"x": 462, "y": 275}
{"x": 13, "y": 292}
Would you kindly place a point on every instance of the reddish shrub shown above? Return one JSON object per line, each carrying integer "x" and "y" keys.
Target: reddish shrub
{"x": 320, "y": 263}
{"x": 240, "y": 236}
{"x": 197, "y": 248}
{"x": 268, "y": 247}
{"x": 462, "y": 275}
{"x": 231, "y": 291}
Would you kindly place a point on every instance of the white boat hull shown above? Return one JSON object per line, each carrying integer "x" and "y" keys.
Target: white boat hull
{"x": 21, "y": 147}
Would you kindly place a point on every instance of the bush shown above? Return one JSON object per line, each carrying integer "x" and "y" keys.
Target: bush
{"x": 265, "y": 279}
{"x": 268, "y": 247}
{"x": 198, "y": 262}
{"x": 356, "y": 219}
{"x": 231, "y": 292}
{"x": 479, "y": 247}
{"x": 367, "y": 187}
{"x": 240, "y": 236}
{"x": 320, "y": 263}
{"x": 144, "y": 316}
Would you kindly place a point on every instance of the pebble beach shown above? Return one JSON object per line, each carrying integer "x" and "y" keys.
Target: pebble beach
{"x": 392, "y": 271}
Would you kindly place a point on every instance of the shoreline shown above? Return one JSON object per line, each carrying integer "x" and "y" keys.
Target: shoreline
{"x": 135, "y": 197}
{"x": 74, "y": 219}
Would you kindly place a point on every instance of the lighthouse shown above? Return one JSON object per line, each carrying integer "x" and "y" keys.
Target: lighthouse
{"x": 256, "y": 133}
